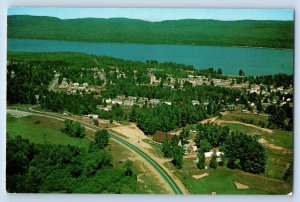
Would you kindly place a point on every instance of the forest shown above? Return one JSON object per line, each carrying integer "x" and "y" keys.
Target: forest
{"x": 254, "y": 33}
{"x": 49, "y": 168}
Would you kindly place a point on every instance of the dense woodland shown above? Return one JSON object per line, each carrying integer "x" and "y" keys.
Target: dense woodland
{"x": 262, "y": 33}
{"x": 48, "y": 168}
{"x": 165, "y": 118}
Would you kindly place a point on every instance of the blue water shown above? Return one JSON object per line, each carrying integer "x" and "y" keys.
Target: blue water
{"x": 254, "y": 61}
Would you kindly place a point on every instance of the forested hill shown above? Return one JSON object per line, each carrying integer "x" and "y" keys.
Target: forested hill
{"x": 273, "y": 34}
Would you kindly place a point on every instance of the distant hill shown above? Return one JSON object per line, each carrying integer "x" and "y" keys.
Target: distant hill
{"x": 273, "y": 34}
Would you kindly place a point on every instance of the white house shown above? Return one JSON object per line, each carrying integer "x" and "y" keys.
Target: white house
{"x": 209, "y": 154}
{"x": 195, "y": 102}
{"x": 168, "y": 102}
{"x": 154, "y": 101}
{"x": 117, "y": 101}
{"x": 128, "y": 103}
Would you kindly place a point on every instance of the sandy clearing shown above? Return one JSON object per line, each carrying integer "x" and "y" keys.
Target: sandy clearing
{"x": 272, "y": 146}
{"x": 240, "y": 185}
{"x": 17, "y": 113}
{"x": 218, "y": 121}
{"x": 200, "y": 176}
{"x": 133, "y": 133}
{"x": 210, "y": 120}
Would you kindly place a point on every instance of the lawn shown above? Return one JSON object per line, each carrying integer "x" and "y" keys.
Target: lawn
{"x": 254, "y": 119}
{"x": 281, "y": 138}
{"x": 222, "y": 181}
{"x": 277, "y": 163}
{"x": 242, "y": 128}
{"x": 41, "y": 129}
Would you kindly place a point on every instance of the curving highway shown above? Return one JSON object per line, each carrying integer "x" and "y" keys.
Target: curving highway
{"x": 153, "y": 163}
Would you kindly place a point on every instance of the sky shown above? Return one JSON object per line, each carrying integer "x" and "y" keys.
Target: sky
{"x": 158, "y": 14}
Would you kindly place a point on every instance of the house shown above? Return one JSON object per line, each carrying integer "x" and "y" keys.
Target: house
{"x": 209, "y": 154}
{"x": 154, "y": 101}
{"x": 132, "y": 98}
{"x": 160, "y": 136}
{"x": 168, "y": 102}
{"x": 93, "y": 116}
{"x": 107, "y": 100}
{"x": 188, "y": 149}
{"x": 195, "y": 102}
{"x": 117, "y": 101}
{"x": 128, "y": 103}
{"x": 64, "y": 84}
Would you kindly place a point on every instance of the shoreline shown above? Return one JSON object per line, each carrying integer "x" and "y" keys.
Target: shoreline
{"x": 174, "y": 44}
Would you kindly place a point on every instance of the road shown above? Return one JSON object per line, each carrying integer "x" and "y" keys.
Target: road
{"x": 153, "y": 163}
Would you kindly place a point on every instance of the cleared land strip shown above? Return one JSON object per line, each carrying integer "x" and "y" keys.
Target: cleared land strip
{"x": 246, "y": 124}
{"x": 153, "y": 163}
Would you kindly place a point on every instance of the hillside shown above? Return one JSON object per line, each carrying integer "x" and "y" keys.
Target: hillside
{"x": 273, "y": 34}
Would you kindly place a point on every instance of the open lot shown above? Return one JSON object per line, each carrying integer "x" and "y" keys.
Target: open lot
{"x": 254, "y": 119}
{"x": 40, "y": 130}
{"x": 222, "y": 181}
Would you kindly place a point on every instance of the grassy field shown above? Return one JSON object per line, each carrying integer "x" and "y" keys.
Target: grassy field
{"x": 241, "y": 128}
{"x": 41, "y": 129}
{"x": 277, "y": 160}
{"x": 254, "y": 119}
{"x": 222, "y": 181}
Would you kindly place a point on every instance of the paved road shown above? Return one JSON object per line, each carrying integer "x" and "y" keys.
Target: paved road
{"x": 153, "y": 163}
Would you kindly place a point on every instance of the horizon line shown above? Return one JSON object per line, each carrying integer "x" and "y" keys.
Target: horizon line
{"x": 285, "y": 20}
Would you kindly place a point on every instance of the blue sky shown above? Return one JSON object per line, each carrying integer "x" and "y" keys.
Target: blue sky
{"x": 158, "y": 14}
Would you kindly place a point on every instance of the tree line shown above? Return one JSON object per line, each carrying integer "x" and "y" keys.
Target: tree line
{"x": 48, "y": 168}
{"x": 165, "y": 117}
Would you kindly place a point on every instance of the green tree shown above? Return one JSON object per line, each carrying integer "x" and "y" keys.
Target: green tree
{"x": 205, "y": 145}
{"x": 278, "y": 118}
{"x": 219, "y": 71}
{"x": 167, "y": 148}
{"x": 128, "y": 167}
{"x": 201, "y": 159}
{"x": 177, "y": 157}
{"x": 241, "y": 72}
{"x": 101, "y": 138}
{"x": 245, "y": 152}
{"x": 213, "y": 161}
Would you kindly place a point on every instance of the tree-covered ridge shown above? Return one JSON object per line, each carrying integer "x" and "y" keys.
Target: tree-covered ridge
{"x": 274, "y": 34}
{"x": 48, "y": 168}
